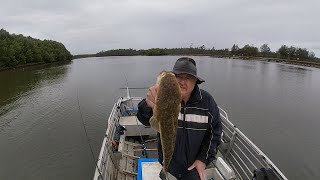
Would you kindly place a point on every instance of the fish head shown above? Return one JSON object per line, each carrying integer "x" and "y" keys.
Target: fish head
{"x": 163, "y": 74}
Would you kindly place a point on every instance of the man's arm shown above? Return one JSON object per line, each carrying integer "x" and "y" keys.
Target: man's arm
{"x": 144, "y": 112}
{"x": 212, "y": 136}
{"x": 145, "y": 106}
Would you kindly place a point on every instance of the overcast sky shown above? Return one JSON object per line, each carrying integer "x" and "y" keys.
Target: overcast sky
{"x": 94, "y": 25}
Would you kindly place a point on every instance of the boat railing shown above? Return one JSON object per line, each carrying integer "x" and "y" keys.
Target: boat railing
{"x": 107, "y": 163}
{"x": 105, "y": 156}
{"x": 241, "y": 153}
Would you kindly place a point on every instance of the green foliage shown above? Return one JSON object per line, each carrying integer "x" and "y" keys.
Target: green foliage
{"x": 155, "y": 52}
{"x": 83, "y": 56}
{"x": 19, "y": 50}
{"x": 295, "y": 53}
{"x": 302, "y": 53}
{"x": 118, "y": 52}
{"x": 311, "y": 55}
{"x": 235, "y": 49}
{"x": 265, "y": 48}
{"x": 248, "y": 50}
{"x": 283, "y": 51}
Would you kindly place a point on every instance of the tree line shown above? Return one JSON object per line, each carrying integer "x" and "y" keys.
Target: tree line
{"x": 155, "y": 52}
{"x": 16, "y": 50}
{"x": 284, "y": 52}
{"x": 133, "y": 52}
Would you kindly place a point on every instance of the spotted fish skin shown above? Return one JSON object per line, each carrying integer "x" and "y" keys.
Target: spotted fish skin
{"x": 165, "y": 114}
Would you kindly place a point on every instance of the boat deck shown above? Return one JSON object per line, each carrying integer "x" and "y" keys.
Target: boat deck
{"x": 131, "y": 150}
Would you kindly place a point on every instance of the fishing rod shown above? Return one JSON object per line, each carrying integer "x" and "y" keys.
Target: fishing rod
{"x": 87, "y": 137}
{"x": 144, "y": 147}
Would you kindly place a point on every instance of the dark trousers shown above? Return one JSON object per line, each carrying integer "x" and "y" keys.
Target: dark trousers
{"x": 189, "y": 175}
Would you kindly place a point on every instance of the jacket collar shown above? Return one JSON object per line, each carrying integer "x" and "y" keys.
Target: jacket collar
{"x": 196, "y": 95}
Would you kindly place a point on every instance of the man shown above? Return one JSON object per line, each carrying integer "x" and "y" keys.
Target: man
{"x": 199, "y": 126}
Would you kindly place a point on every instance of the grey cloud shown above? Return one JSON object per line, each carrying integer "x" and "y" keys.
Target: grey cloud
{"x": 92, "y": 26}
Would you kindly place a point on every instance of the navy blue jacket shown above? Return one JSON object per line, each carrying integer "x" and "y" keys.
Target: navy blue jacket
{"x": 198, "y": 134}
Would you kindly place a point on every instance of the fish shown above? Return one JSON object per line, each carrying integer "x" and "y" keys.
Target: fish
{"x": 165, "y": 114}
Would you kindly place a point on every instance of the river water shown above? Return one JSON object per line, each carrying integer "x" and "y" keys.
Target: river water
{"x": 42, "y": 137}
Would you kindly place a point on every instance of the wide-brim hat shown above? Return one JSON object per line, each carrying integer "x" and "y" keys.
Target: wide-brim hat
{"x": 186, "y": 65}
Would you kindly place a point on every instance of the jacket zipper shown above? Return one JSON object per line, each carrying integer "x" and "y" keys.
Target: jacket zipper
{"x": 184, "y": 116}
{"x": 185, "y": 135}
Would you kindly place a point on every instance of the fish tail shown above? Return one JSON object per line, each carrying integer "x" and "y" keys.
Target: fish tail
{"x": 163, "y": 174}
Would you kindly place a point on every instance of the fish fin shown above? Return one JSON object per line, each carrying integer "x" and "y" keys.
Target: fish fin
{"x": 154, "y": 123}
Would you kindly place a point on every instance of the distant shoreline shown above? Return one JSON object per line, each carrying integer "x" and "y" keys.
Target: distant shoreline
{"x": 21, "y": 66}
{"x": 29, "y": 65}
{"x": 267, "y": 59}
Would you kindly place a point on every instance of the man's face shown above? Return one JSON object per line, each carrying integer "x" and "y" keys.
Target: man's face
{"x": 186, "y": 83}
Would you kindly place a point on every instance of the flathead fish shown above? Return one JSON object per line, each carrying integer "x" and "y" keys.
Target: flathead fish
{"x": 165, "y": 114}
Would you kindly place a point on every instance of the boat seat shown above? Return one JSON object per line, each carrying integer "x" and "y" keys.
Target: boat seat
{"x": 134, "y": 127}
{"x": 220, "y": 171}
{"x": 130, "y": 112}
{"x": 213, "y": 174}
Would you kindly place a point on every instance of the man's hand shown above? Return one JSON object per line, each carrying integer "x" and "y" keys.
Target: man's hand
{"x": 151, "y": 96}
{"x": 200, "y": 166}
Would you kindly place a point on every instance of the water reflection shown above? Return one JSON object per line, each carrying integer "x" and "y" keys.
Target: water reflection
{"x": 244, "y": 64}
{"x": 292, "y": 69}
{"x": 17, "y": 83}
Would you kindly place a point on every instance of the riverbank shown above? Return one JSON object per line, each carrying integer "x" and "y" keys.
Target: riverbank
{"x": 277, "y": 60}
{"x": 21, "y": 66}
{"x": 30, "y": 65}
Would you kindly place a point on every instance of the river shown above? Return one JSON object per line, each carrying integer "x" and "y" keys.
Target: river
{"x": 42, "y": 137}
